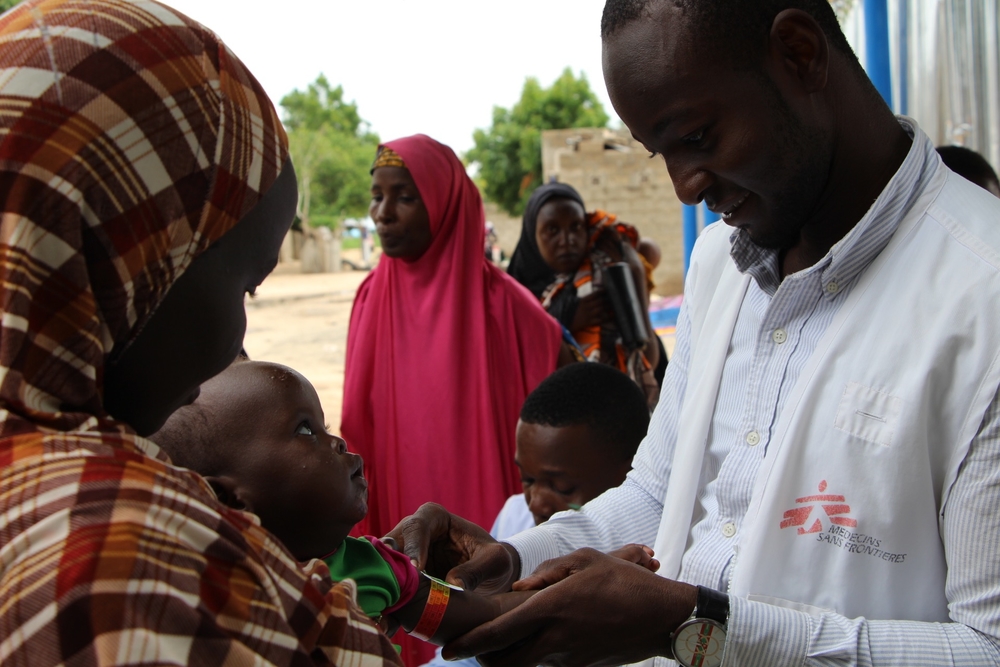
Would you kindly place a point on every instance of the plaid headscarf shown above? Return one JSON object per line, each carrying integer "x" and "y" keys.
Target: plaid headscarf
{"x": 131, "y": 138}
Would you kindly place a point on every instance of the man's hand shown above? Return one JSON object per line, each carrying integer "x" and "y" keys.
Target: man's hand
{"x": 596, "y": 610}
{"x": 555, "y": 570}
{"x": 448, "y": 546}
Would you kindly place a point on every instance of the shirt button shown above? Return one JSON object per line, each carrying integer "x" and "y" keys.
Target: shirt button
{"x": 832, "y": 287}
{"x": 728, "y": 529}
{"x": 779, "y": 336}
{"x": 753, "y": 438}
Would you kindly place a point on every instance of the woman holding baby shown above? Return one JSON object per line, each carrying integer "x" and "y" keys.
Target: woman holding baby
{"x": 145, "y": 189}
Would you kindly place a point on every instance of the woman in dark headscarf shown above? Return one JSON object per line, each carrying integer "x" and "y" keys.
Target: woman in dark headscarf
{"x": 561, "y": 257}
{"x": 144, "y": 189}
{"x": 526, "y": 265}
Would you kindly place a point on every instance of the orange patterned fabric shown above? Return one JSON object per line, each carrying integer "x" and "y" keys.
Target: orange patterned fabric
{"x": 387, "y": 158}
{"x": 131, "y": 138}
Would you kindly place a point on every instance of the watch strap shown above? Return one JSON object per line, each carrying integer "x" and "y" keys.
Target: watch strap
{"x": 712, "y": 604}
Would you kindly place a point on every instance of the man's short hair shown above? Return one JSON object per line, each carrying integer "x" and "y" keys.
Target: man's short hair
{"x": 970, "y": 165}
{"x": 742, "y": 24}
{"x": 598, "y": 396}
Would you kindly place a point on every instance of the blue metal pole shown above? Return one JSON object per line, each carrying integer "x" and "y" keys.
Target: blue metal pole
{"x": 690, "y": 227}
{"x": 877, "y": 47}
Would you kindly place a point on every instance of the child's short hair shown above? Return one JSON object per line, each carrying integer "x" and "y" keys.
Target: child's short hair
{"x": 600, "y": 396}
{"x": 190, "y": 440}
{"x": 200, "y": 436}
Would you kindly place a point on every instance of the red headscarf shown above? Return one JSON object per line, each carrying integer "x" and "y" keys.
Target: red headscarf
{"x": 441, "y": 354}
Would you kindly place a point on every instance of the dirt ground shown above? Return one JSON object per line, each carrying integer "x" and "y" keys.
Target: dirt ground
{"x": 300, "y": 320}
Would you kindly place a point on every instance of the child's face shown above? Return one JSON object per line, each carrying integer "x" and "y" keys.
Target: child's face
{"x": 300, "y": 480}
{"x": 561, "y": 233}
{"x": 563, "y": 466}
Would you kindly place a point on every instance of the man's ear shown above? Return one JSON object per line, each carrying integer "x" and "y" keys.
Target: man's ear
{"x": 228, "y": 492}
{"x": 802, "y": 47}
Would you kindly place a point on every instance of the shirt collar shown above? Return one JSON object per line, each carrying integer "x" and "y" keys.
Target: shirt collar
{"x": 853, "y": 253}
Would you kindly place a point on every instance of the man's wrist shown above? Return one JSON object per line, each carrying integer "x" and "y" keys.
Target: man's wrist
{"x": 679, "y": 602}
{"x": 701, "y": 640}
{"x": 515, "y": 563}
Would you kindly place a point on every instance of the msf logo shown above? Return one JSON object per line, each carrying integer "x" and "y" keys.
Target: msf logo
{"x": 833, "y": 507}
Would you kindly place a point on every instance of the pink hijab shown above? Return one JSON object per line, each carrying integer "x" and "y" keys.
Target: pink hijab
{"x": 441, "y": 354}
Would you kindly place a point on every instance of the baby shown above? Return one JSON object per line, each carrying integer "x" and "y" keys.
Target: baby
{"x": 256, "y": 434}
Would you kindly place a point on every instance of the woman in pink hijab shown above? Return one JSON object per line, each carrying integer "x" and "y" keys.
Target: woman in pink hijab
{"x": 443, "y": 347}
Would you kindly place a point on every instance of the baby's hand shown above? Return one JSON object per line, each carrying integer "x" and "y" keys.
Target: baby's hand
{"x": 639, "y": 554}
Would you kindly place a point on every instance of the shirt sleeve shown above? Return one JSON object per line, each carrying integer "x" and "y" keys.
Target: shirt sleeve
{"x": 402, "y": 568}
{"x": 763, "y": 634}
{"x": 630, "y": 513}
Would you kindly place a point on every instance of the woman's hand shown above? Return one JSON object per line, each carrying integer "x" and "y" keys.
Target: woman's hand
{"x": 591, "y": 311}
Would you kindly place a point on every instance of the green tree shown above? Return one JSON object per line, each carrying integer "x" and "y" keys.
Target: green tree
{"x": 332, "y": 149}
{"x": 7, "y": 4}
{"x": 509, "y": 153}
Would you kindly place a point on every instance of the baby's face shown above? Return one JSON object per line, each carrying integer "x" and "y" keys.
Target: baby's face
{"x": 563, "y": 466}
{"x": 561, "y": 233}
{"x": 300, "y": 480}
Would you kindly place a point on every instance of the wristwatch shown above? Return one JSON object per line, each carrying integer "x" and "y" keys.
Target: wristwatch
{"x": 700, "y": 641}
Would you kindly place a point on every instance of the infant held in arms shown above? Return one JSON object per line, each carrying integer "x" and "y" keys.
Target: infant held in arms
{"x": 256, "y": 434}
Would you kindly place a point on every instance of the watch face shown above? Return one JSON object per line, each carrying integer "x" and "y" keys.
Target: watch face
{"x": 699, "y": 643}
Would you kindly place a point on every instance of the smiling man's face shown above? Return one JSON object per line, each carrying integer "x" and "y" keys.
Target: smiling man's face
{"x": 728, "y": 133}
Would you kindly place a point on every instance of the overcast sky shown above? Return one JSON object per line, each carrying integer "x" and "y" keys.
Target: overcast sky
{"x": 431, "y": 66}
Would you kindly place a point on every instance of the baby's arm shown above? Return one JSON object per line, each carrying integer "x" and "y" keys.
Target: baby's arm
{"x": 465, "y": 610}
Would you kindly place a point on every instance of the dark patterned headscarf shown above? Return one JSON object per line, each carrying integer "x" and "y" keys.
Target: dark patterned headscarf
{"x": 526, "y": 265}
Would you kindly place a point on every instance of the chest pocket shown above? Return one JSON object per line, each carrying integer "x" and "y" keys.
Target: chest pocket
{"x": 868, "y": 414}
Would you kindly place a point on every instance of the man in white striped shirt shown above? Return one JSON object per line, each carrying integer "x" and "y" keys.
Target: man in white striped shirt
{"x": 826, "y": 449}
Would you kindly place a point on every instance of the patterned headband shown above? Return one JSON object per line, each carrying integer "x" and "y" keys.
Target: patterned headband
{"x": 387, "y": 158}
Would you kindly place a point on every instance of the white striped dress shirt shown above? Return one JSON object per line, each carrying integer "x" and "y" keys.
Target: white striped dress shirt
{"x": 760, "y": 371}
